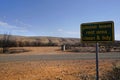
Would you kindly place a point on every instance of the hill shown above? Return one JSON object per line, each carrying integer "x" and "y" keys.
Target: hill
{"x": 48, "y": 41}
{"x": 41, "y": 40}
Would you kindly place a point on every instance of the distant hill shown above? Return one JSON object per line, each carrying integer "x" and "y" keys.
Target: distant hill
{"x": 43, "y": 40}
{"x": 48, "y": 41}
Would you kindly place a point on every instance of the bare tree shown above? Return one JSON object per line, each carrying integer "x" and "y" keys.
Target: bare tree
{"x": 5, "y": 42}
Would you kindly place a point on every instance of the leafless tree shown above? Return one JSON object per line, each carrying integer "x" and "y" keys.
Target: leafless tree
{"x": 6, "y": 42}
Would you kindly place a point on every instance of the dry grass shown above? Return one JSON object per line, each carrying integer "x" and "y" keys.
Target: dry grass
{"x": 35, "y": 50}
{"x": 53, "y": 70}
{"x": 40, "y": 50}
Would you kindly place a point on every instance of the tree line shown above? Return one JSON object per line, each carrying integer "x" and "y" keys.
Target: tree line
{"x": 6, "y": 42}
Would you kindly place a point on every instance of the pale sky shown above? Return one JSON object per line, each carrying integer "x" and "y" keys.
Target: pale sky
{"x": 57, "y": 18}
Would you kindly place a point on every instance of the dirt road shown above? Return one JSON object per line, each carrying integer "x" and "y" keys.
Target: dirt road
{"x": 69, "y": 56}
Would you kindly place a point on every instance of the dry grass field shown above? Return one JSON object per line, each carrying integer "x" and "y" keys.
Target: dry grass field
{"x": 33, "y": 50}
{"x": 53, "y": 70}
{"x": 40, "y": 50}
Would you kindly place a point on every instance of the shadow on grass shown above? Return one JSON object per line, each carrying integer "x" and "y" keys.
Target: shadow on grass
{"x": 13, "y": 51}
{"x": 18, "y": 51}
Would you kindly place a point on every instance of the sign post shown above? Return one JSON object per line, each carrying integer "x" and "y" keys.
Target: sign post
{"x": 96, "y": 32}
{"x": 97, "y": 61}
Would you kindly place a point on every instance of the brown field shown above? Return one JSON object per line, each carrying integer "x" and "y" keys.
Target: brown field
{"x": 40, "y": 50}
{"x": 53, "y": 70}
{"x": 43, "y": 50}
{"x": 35, "y": 50}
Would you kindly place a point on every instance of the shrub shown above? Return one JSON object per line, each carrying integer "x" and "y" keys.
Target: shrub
{"x": 113, "y": 74}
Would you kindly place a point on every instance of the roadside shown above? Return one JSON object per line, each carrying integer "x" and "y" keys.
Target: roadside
{"x": 53, "y": 70}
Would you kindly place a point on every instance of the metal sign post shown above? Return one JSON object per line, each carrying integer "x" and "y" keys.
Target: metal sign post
{"x": 97, "y": 61}
{"x": 97, "y": 32}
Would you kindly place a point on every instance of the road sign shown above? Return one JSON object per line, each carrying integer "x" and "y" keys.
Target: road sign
{"x": 97, "y": 32}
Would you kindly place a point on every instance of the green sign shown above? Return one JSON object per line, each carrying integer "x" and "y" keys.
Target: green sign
{"x": 97, "y": 32}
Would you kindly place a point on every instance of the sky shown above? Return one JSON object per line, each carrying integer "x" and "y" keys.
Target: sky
{"x": 57, "y": 18}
